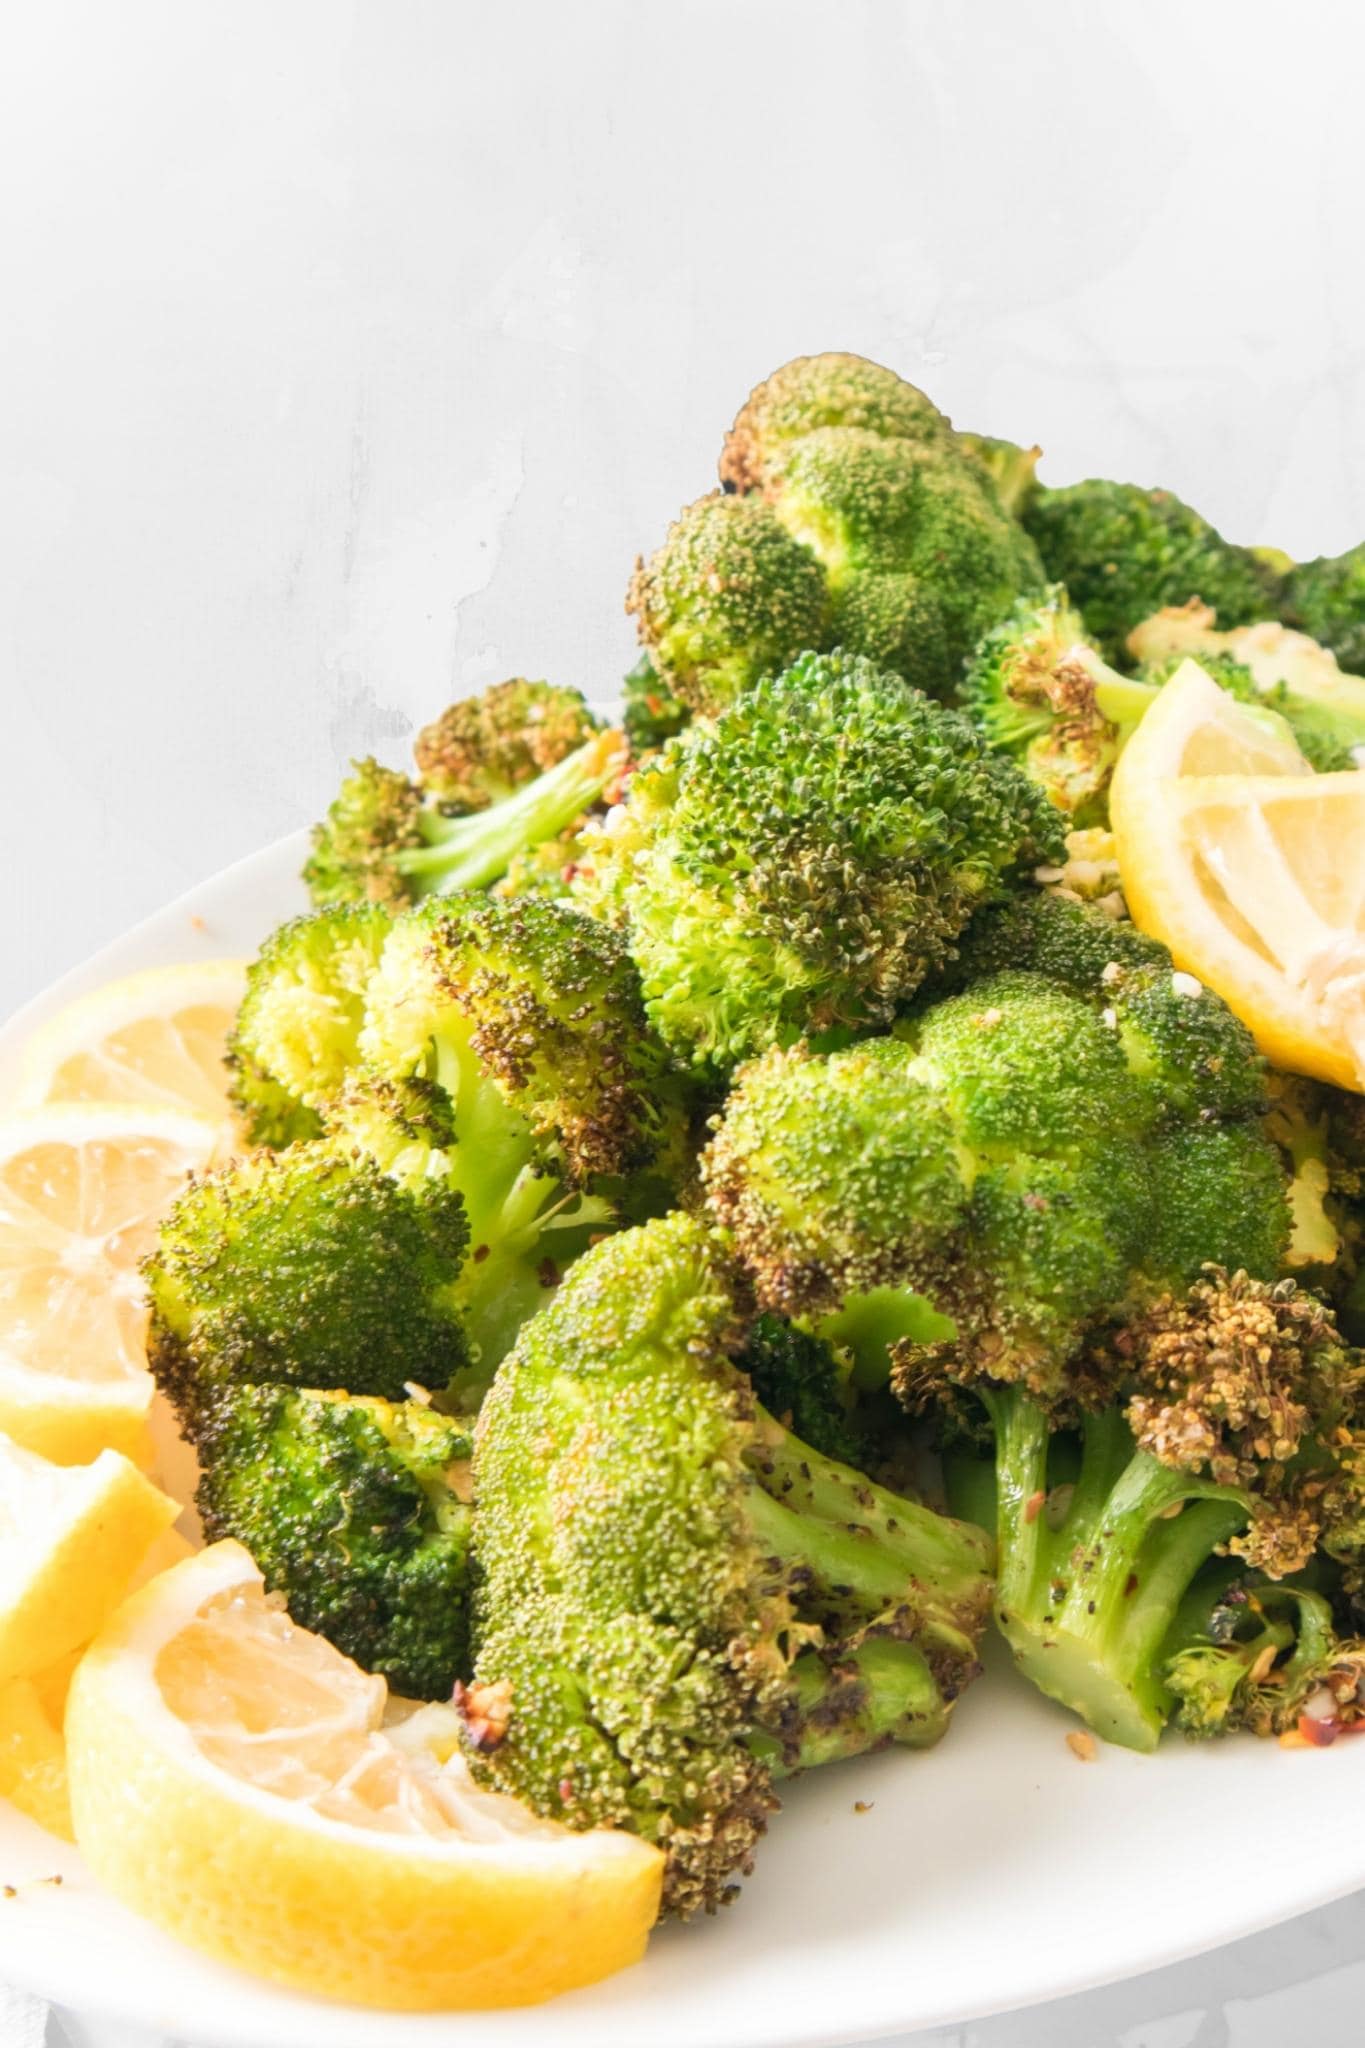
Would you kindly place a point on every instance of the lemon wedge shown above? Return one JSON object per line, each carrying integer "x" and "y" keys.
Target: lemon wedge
{"x": 1252, "y": 870}
{"x": 82, "y": 1188}
{"x": 234, "y": 1779}
{"x": 153, "y": 1037}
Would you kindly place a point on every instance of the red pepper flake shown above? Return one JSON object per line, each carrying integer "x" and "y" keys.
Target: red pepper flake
{"x": 1318, "y": 1732}
{"x": 566, "y": 1792}
{"x": 486, "y": 1711}
{"x": 1033, "y": 1506}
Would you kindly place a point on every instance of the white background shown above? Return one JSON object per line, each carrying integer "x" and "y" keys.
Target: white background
{"x": 350, "y": 353}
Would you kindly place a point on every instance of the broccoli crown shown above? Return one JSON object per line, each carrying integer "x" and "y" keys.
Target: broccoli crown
{"x": 859, "y": 520}
{"x": 1124, "y": 552}
{"x": 356, "y": 1510}
{"x": 804, "y": 862}
{"x": 529, "y": 1015}
{"x": 384, "y": 840}
{"x": 309, "y": 1267}
{"x": 297, "y": 1028}
{"x": 651, "y": 712}
{"x": 653, "y": 1551}
{"x": 803, "y": 1381}
{"x": 831, "y": 390}
{"x": 833, "y": 1175}
{"x": 375, "y": 816}
{"x": 1021, "y": 1154}
{"x": 483, "y": 748}
{"x": 1326, "y": 598}
{"x": 728, "y": 598}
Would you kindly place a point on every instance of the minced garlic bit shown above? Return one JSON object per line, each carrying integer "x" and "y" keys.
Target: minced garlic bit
{"x": 1081, "y": 1743}
{"x": 1186, "y": 984}
{"x": 1090, "y": 873}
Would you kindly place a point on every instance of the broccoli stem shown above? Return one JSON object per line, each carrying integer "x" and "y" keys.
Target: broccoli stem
{"x": 883, "y": 1692}
{"x": 1092, "y": 1573}
{"x": 866, "y": 1554}
{"x": 470, "y": 852}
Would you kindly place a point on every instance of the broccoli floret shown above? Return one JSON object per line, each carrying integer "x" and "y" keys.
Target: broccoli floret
{"x": 294, "y": 1040}
{"x": 1256, "y": 1655}
{"x": 357, "y": 1511}
{"x": 728, "y": 598}
{"x": 1038, "y": 690}
{"x": 486, "y": 747}
{"x": 1019, "y": 1154}
{"x": 1012, "y": 469}
{"x": 383, "y": 841}
{"x": 1221, "y": 1420}
{"x": 1267, "y": 665}
{"x": 861, "y": 521}
{"x": 312, "y": 1267}
{"x": 1124, "y": 553}
{"x": 803, "y": 1381}
{"x": 527, "y": 1019}
{"x": 1326, "y": 598}
{"x": 678, "y": 1593}
{"x": 651, "y": 714}
{"x": 804, "y": 862}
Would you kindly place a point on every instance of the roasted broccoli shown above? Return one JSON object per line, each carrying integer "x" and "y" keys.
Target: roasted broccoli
{"x": 312, "y": 1267}
{"x": 802, "y": 1380}
{"x": 1223, "y": 1420}
{"x": 681, "y": 1597}
{"x": 801, "y": 864}
{"x": 526, "y": 1017}
{"x": 1247, "y": 1652}
{"x": 651, "y": 714}
{"x": 856, "y": 519}
{"x": 1124, "y": 552}
{"x": 357, "y": 1511}
{"x": 294, "y": 1041}
{"x": 385, "y": 840}
{"x": 1326, "y": 598}
{"x": 1010, "y": 468}
{"x": 485, "y": 748}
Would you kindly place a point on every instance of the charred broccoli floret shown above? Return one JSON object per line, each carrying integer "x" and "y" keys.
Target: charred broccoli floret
{"x": 1326, "y": 598}
{"x": 1262, "y": 1656}
{"x": 858, "y": 520}
{"x": 484, "y": 748}
{"x": 1124, "y": 552}
{"x": 385, "y": 840}
{"x": 682, "y": 1597}
{"x": 294, "y": 1041}
{"x": 312, "y": 1267}
{"x": 804, "y": 862}
{"x": 357, "y": 1511}
{"x": 526, "y": 1017}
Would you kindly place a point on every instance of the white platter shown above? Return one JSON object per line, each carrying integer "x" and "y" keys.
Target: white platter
{"x": 994, "y": 1872}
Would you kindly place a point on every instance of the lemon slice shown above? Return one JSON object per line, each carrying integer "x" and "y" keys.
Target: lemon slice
{"x": 155, "y": 1037}
{"x": 82, "y": 1187}
{"x": 1252, "y": 870}
{"x": 232, "y": 1779}
{"x": 33, "y": 1757}
{"x": 71, "y": 1537}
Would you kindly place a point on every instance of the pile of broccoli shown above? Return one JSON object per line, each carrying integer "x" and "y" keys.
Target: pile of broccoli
{"x": 720, "y": 1218}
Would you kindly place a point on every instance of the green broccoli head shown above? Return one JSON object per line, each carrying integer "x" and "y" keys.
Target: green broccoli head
{"x": 374, "y": 820}
{"x": 728, "y": 598}
{"x": 356, "y": 1509}
{"x": 1264, "y": 1657}
{"x": 680, "y": 1596}
{"x": 1010, "y": 468}
{"x": 1326, "y": 598}
{"x": 295, "y": 1037}
{"x": 833, "y": 1175}
{"x": 483, "y": 748}
{"x": 310, "y": 1267}
{"x": 805, "y": 1383}
{"x": 1124, "y": 552}
{"x": 857, "y": 519}
{"x": 802, "y": 864}
{"x": 387, "y": 840}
